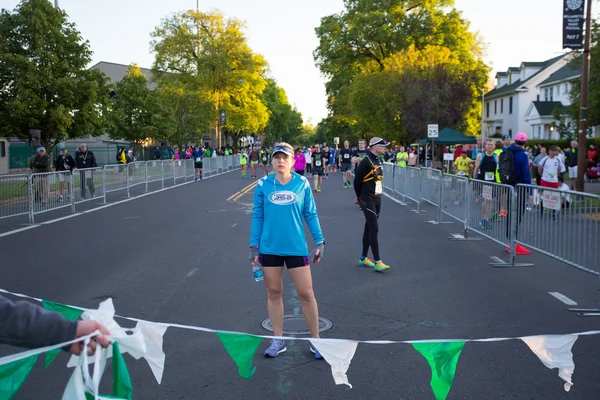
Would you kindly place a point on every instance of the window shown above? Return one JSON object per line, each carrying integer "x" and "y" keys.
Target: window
{"x": 552, "y": 93}
{"x": 501, "y": 106}
{"x": 495, "y": 107}
{"x": 566, "y": 89}
{"x": 510, "y": 132}
{"x": 546, "y": 97}
{"x": 510, "y": 104}
{"x": 2, "y": 149}
{"x": 487, "y": 110}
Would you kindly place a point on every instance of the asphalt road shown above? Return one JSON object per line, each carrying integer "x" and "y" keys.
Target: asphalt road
{"x": 181, "y": 256}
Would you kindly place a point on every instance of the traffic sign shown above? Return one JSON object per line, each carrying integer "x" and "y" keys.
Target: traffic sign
{"x": 432, "y": 130}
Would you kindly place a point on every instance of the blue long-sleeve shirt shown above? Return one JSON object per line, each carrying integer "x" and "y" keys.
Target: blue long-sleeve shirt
{"x": 521, "y": 164}
{"x": 279, "y": 214}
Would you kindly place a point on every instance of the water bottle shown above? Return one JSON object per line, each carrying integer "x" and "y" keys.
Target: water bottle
{"x": 257, "y": 272}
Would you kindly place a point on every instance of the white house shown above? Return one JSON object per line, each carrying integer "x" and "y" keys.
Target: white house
{"x": 554, "y": 93}
{"x": 506, "y": 106}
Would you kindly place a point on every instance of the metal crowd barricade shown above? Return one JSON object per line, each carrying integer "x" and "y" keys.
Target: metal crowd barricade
{"x": 388, "y": 176}
{"x": 136, "y": 174}
{"x": 115, "y": 178}
{"x": 49, "y": 191}
{"x": 88, "y": 184}
{"x": 412, "y": 185}
{"x": 219, "y": 160}
{"x": 179, "y": 169}
{"x": 564, "y": 225}
{"x": 190, "y": 171}
{"x": 14, "y": 195}
{"x": 208, "y": 165}
{"x": 168, "y": 171}
{"x": 154, "y": 173}
{"x": 431, "y": 179}
{"x": 454, "y": 195}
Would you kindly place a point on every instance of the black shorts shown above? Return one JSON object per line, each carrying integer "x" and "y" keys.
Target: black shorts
{"x": 346, "y": 167}
{"x": 317, "y": 171}
{"x": 270, "y": 260}
{"x": 299, "y": 171}
{"x": 198, "y": 165}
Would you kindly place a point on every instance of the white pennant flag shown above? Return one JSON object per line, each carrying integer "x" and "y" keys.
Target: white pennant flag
{"x": 155, "y": 356}
{"x": 105, "y": 314}
{"x": 338, "y": 354}
{"x": 555, "y": 352}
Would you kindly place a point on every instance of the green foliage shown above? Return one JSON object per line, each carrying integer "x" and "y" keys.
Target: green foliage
{"x": 43, "y": 76}
{"x": 565, "y": 126}
{"x": 284, "y": 121}
{"x": 137, "y": 113}
{"x": 189, "y": 114}
{"x": 394, "y": 66}
{"x": 208, "y": 54}
{"x": 593, "y": 109}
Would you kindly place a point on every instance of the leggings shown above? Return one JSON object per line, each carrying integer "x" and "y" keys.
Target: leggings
{"x": 371, "y": 209}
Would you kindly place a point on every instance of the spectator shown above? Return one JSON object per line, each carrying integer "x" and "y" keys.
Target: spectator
{"x": 85, "y": 159}
{"x": 565, "y": 197}
{"x": 571, "y": 157}
{"x": 463, "y": 165}
{"x": 536, "y": 163}
{"x": 592, "y": 156}
{"x": 121, "y": 156}
{"x": 505, "y": 142}
{"x": 550, "y": 168}
{"x": 28, "y": 325}
{"x": 64, "y": 162}
{"x": 40, "y": 163}
{"x": 157, "y": 154}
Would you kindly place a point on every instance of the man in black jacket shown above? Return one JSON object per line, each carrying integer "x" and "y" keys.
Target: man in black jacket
{"x": 64, "y": 162}
{"x": 28, "y": 325}
{"x": 86, "y": 159}
{"x": 40, "y": 163}
{"x": 368, "y": 187}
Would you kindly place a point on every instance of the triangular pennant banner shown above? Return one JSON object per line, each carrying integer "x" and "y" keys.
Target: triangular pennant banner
{"x": 70, "y": 313}
{"x": 338, "y": 354}
{"x": 12, "y": 376}
{"x": 555, "y": 352}
{"x": 122, "y": 387}
{"x": 442, "y": 358}
{"x": 153, "y": 337}
{"x": 241, "y": 348}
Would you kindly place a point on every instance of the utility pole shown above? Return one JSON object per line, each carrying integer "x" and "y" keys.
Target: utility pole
{"x": 585, "y": 82}
{"x": 56, "y": 4}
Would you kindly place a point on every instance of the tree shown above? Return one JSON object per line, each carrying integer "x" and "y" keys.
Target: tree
{"x": 206, "y": 53}
{"x": 357, "y": 46}
{"x": 189, "y": 115}
{"x": 44, "y": 83}
{"x": 564, "y": 125}
{"x": 137, "y": 113}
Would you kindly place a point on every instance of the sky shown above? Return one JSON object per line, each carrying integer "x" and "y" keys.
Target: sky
{"x": 283, "y": 32}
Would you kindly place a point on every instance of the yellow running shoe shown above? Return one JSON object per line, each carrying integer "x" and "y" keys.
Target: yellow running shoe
{"x": 366, "y": 262}
{"x": 380, "y": 266}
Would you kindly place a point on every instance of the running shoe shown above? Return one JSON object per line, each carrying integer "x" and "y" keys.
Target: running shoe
{"x": 318, "y": 189}
{"x": 484, "y": 224}
{"x": 380, "y": 266}
{"x": 314, "y": 350}
{"x": 277, "y": 347}
{"x": 503, "y": 213}
{"x": 366, "y": 262}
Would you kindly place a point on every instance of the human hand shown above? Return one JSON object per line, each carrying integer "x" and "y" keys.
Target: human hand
{"x": 253, "y": 257}
{"x": 84, "y": 328}
{"x": 319, "y": 250}
{"x": 356, "y": 201}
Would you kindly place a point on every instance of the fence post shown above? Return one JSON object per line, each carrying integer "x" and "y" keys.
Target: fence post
{"x": 162, "y": 174}
{"x": 128, "y": 178}
{"x": 71, "y": 192}
{"x": 104, "y": 183}
{"x": 174, "y": 174}
{"x": 30, "y": 196}
{"x": 146, "y": 166}
{"x": 441, "y": 181}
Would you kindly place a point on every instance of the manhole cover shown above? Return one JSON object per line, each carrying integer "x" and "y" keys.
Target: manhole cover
{"x": 294, "y": 324}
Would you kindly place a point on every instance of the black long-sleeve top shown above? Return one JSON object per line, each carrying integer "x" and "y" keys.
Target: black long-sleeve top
{"x": 368, "y": 172}
{"x": 28, "y": 325}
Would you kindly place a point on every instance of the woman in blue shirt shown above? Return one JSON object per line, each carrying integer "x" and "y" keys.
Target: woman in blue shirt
{"x": 282, "y": 201}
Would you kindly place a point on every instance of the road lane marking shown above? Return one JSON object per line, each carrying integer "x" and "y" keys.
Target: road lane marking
{"x": 563, "y": 298}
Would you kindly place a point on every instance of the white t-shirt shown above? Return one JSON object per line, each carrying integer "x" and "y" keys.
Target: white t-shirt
{"x": 308, "y": 157}
{"x": 552, "y": 167}
{"x": 565, "y": 188}
{"x": 561, "y": 157}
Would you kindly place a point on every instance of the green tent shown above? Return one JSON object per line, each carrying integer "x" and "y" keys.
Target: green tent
{"x": 450, "y": 136}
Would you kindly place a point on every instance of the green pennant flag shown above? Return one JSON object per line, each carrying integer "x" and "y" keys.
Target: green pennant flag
{"x": 122, "y": 387}
{"x": 70, "y": 313}
{"x": 12, "y": 376}
{"x": 442, "y": 358}
{"x": 241, "y": 348}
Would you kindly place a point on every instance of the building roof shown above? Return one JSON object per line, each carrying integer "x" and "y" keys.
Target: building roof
{"x": 545, "y": 108}
{"x": 570, "y": 71}
{"x": 116, "y": 72}
{"x": 506, "y": 89}
{"x": 533, "y": 63}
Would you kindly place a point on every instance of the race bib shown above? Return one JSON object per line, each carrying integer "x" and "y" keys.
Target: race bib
{"x": 88, "y": 174}
{"x": 198, "y": 159}
{"x": 318, "y": 163}
{"x": 378, "y": 187}
{"x": 552, "y": 174}
{"x": 490, "y": 176}
{"x": 461, "y": 173}
{"x": 265, "y": 159}
{"x": 346, "y": 156}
